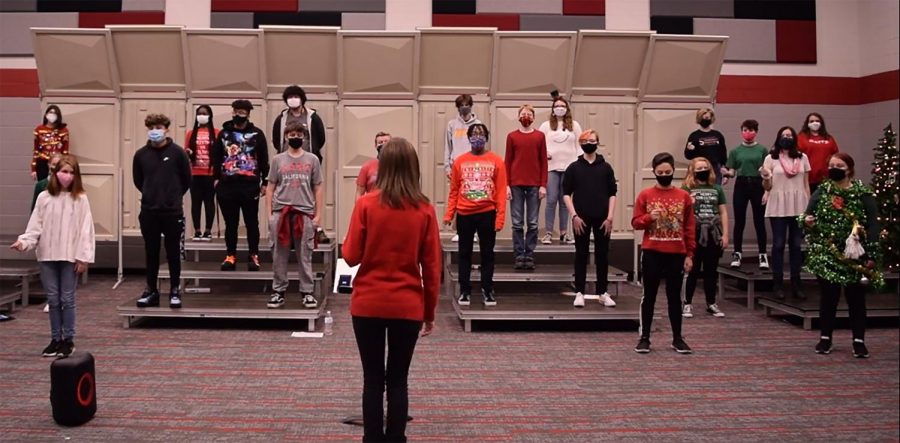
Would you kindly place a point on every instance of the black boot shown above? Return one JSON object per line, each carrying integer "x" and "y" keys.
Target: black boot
{"x": 797, "y": 290}
{"x": 778, "y": 289}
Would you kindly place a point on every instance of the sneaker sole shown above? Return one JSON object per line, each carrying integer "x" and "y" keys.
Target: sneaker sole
{"x": 175, "y": 306}
{"x": 719, "y": 315}
{"x": 490, "y": 303}
{"x": 826, "y": 352}
{"x": 683, "y": 351}
{"x": 310, "y": 306}
{"x": 274, "y": 305}
{"x": 463, "y": 303}
{"x": 687, "y": 315}
{"x": 55, "y": 354}
{"x": 642, "y": 351}
{"x": 147, "y": 305}
{"x": 578, "y": 305}
{"x": 860, "y": 355}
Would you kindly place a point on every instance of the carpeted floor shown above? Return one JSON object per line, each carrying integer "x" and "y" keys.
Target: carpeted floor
{"x": 751, "y": 378}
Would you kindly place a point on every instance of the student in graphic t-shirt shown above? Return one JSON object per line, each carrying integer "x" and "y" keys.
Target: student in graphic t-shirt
{"x": 743, "y": 163}
{"x": 293, "y": 201}
{"x": 818, "y": 145}
{"x": 526, "y": 167}
{"x": 666, "y": 215}
{"x": 198, "y": 145}
{"x": 368, "y": 174}
{"x": 708, "y": 143}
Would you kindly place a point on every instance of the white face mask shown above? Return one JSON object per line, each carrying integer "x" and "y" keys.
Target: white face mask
{"x": 202, "y": 119}
{"x": 559, "y": 111}
{"x": 293, "y": 102}
{"x": 52, "y": 117}
{"x": 814, "y": 126}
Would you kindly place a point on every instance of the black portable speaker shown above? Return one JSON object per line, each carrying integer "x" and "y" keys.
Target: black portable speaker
{"x": 73, "y": 390}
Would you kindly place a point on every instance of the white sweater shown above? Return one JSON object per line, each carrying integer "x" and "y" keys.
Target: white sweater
{"x": 562, "y": 145}
{"x": 61, "y": 228}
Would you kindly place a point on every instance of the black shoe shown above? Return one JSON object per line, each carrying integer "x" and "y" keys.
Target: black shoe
{"x": 797, "y": 291}
{"x": 824, "y": 346}
{"x": 52, "y": 350}
{"x": 4, "y": 317}
{"x": 464, "y": 299}
{"x": 643, "y": 346}
{"x": 859, "y": 349}
{"x": 276, "y": 300}
{"x": 150, "y": 298}
{"x": 322, "y": 238}
{"x": 519, "y": 264}
{"x": 66, "y": 348}
{"x": 229, "y": 263}
{"x": 197, "y": 236}
{"x": 680, "y": 346}
{"x": 488, "y": 296}
{"x": 175, "y": 298}
{"x": 778, "y": 290}
{"x": 529, "y": 263}
{"x": 253, "y": 263}
{"x": 207, "y": 236}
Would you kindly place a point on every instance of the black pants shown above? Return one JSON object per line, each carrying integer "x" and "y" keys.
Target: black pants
{"x": 466, "y": 227}
{"x": 749, "y": 190}
{"x": 234, "y": 199}
{"x": 856, "y": 302}
{"x": 42, "y": 168}
{"x": 171, "y": 227}
{"x": 655, "y": 267}
{"x": 706, "y": 264}
{"x": 601, "y": 254}
{"x": 786, "y": 230}
{"x": 203, "y": 193}
{"x": 401, "y": 343}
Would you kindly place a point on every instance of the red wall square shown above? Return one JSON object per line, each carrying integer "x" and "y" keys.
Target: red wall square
{"x": 795, "y": 41}
{"x": 254, "y": 6}
{"x": 101, "y": 19}
{"x": 584, "y": 7}
{"x": 503, "y": 22}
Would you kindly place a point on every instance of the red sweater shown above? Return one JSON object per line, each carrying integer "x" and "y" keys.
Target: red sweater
{"x": 391, "y": 246}
{"x": 673, "y": 232}
{"x": 819, "y": 149}
{"x": 526, "y": 158}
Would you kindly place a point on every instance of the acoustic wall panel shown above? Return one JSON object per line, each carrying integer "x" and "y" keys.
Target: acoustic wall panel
{"x": 692, "y": 8}
{"x": 683, "y": 68}
{"x": 361, "y": 52}
{"x": 231, "y": 20}
{"x": 15, "y": 37}
{"x": 343, "y": 5}
{"x": 547, "y": 59}
{"x": 442, "y": 50}
{"x": 315, "y": 69}
{"x": 18, "y": 6}
{"x": 140, "y": 51}
{"x": 547, "y": 22}
{"x": 143, "y": 5}
{"x": 594, "y": 76}
{"x": 748, "y": 40}
{"x": 225, "y": 63}
{"x": 519, "y": 7}
{"x": 59, "y": 51}
{"x": 362, "y": 21}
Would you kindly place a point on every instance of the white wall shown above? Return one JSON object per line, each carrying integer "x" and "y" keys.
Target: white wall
{"x": 189, "y": 13}
{"x": 627, "y": 15}
{"x": 406, "y": 15}
{"x": 879, "y": 36}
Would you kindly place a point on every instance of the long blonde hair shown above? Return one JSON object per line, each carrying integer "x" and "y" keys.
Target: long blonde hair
{"x": 690, "y": 182}
{"x": 567, "y": 119}
{"x": 398, "y": 175}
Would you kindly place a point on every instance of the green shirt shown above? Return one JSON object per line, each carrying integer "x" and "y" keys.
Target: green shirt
{"x": 39, "y": 186}
{"x": 707, "y": 199}
{"x": 747, "y": 159}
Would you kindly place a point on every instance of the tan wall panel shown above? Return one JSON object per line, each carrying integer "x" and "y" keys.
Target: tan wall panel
{"x": 546, "y": 60}
{"x": 683, "y": 70}
{"x": 226, "y": 65}
{"x": 101, "y": 191}
{"x": 92, "y": 129}
{"x": 443, "y": 69}
{"x": 315, "y": 69}
{"x": 75, "y": 63}
{"x": 378, "y": 64}
{"x": 663, "y": 130}
{"x": 139, "y": 55}
{"x": 596, "y": 51}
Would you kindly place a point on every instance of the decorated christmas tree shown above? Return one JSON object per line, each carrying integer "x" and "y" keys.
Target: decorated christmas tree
{"x": 886, "y": 184}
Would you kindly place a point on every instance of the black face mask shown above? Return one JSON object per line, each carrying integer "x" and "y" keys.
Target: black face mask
{"x": 705, "y": 122}
{"x": 239, "y": 119}
{"x": 664, "y": 180}
{"x": 589, "y": 148}
{"x": 837, "y": 174}
{"x": 295, "y": 143}
{"x": 786, "y": 143}
{"x": 701, "y": 176}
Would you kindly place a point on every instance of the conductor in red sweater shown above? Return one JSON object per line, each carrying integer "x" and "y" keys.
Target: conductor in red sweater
{"x": 393, "y": 237}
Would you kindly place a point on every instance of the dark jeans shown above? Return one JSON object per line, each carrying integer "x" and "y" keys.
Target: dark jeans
{"x": 749, "y": 190}
{"x": 658, "y": 266}
{"x": 401, "y": 342}
{"x": 786, "y": 229}
{"x": 171, "y": 227}
{"x": 856, "y": 302}
{"x": 813, "y": 187}
{"x": 525, "y": 208}
{"x": 466, "y": 226}
{"x": 706, "y": 264}
{"x": 601, "y": 254}
{"x": 42, "y": 168}
{"x": 234, "y": 199}
{"x": 203, "y": 193}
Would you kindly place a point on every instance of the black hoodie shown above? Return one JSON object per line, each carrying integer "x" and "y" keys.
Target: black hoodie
{"x": 590, "y": 185}
{"x": 162, "y": 175}
{"x": 241, "y": 155}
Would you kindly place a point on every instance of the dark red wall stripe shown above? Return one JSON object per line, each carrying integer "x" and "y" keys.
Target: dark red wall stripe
{"x": 255, "y": 6}
{"x": 19, "y": 83}
{"x": 584, "y": 7}
{"x": 795, "y": 41}
{"x": 503, "y": 22}
{"x": 101, "y": 19}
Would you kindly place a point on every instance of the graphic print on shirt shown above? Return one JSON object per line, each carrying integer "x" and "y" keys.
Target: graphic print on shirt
{"x": 668, "y": 226}
{"x": 202, "y": 152}
{"x": 477, "y": 180}
{"x": 295, "y": 175}
{"x": 706, "y": 203}
{"x": 240, "y": 153}
{"x": 50, "y": 141}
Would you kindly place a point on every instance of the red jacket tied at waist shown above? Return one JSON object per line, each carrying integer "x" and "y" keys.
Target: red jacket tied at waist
{"x": 285, "y": 227}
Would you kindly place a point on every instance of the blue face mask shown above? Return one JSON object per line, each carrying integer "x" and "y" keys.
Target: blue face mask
{"x": 477, "y": 142}
{"x": 156, "y": 135}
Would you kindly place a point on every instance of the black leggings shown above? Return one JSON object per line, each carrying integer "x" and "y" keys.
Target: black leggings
{"x": 234, "y": 199}
{"x": 655, "y": 267}
{"x": 856, "y": 302}
{"x": 749, "y": 190}
{"x": 203, "y": 193}
{"x": 706, "y": 264}
{"x": 171, "y": 227}
{"x": 601, "y": 254}
{"x": 401, "y": 343}
{"x": 466, "y": 227}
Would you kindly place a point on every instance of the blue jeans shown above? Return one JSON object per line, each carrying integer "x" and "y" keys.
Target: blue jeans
{"x": 554, "y": 198}
{"x": 58, "y": 278}
{"x": 786, "y": 230}
{"x": 525, "y": 198}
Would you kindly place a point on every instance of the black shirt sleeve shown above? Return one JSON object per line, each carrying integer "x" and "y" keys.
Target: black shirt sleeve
{"x": 318, "y": 128}
{"x": 276, "y": 132}
{"x": 612, "y": 185}
{"x": 184, "y": 170}
{"x": 568, "y": 184}
{"x": 690, "y": 154}
{"x": 137, "y": 173}
{"x": 217, "y": 156}
{"x": 262, "y": 158}
{"x": 721, "y": 152}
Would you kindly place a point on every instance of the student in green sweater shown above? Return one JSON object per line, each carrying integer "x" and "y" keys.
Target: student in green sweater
{"x": 744, "y": 162}
{"x": 41, "y": 185}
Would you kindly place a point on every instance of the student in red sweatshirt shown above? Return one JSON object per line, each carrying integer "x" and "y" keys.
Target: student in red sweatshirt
{"x": 526, "y": 166}
{"x": 478, "y": 198}
{"x": 666, "y": 215}
{"x": 198, "y": 143}
{"x": 393, "y": 237}
{"x": 815, "y": 141}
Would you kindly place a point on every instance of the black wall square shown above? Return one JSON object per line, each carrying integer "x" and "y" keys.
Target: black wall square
{"x": 297, "y": 19}
{"x": 453, "y": 7}
{"x": 775, "y": 9}
{"x": 672, "y": 25}
{"x": 79, "y": 5}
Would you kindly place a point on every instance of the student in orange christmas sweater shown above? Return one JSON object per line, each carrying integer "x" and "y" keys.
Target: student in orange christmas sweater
{"x": 666, "y": 215}
{"x": 526, "y": 165}
{"x": 393, "y": 237}
{"x": 51, "y": 137}
{"x": 478, "y": 199}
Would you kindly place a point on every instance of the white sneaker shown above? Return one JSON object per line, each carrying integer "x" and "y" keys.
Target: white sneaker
{"x": 547, "y": 239}
{"x": 735, "y": 259}
{"x": 47, "y": 308}
{"x": 763, "y": 262}
{"x": 607, "y": 300}
{"x": 455, "y": 238}
{"x": 579, "y": 300}
{"x": 567, "y": 239}
{"x": 714, "y": 310}
{"x": 686, "y": 311}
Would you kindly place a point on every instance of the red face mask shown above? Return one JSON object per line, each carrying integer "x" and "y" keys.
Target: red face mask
{"x": 526, "y": 120}
{"x": 748, "y": 135}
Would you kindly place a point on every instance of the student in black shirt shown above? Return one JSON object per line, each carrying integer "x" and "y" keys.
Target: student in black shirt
{"x": 707, "y": 143}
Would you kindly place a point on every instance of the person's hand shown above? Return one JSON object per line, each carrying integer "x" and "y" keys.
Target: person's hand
{"x": 724, "y": 180}
{"x": 215, "y": 183}
{"x": 688, "y": 264}
{"x": 578, "y": 225}
{"x": 18, "y": 246}
{"x": 607, "y": 227}
{"x": 809, "y": 220}
{"x": 765, "y": 172}
{"x": 765, "y": 198}
{"x": 549, "y": 157}
{"x": 449, "y": 175}
{"x": 690, "y": 146}
{"x": 189, "y": 152}
{"x": 498, "y": 228}
{"x": 724, "y": 241}
{"x": 80, "y": 267}
{"x": 448, "y": 223}
{"x": 262, "y": 191}
{"x": 34, "y": 176}
{"x": 317, "y": 220}
{"x": 542, "y": 192}
{"x": 723, "y": 171}
{"x": 508, "y": 193}
{"x": 656, "y": 214}
{"x": 427, "y": 328}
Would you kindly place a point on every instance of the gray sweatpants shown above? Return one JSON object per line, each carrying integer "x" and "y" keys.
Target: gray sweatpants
{"x": 280, "y": 254}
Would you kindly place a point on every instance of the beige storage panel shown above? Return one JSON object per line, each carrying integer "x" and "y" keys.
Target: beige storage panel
{"x": 378, "y": 64}
{"x": 75, "y": 62}
{"x": 683, "y": 68}
{"x": 664, "y": 130}
{"x": 610, "y": 63}
{"x": 456, "y": 60}
{"x": 360, "y": 121}
{"x": 305, "y": 56}
{"x": 528, "y": 65}
{"x": 149, "y": 58}
{"x": 226, "y": 63}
